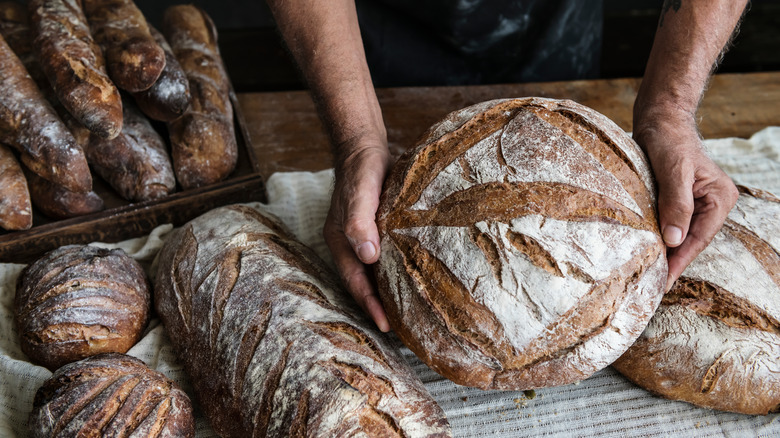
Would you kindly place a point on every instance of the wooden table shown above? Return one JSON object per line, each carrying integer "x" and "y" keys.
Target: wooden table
{"x": 287, "y": 135}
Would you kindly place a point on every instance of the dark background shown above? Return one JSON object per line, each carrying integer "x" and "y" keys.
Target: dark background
{"x": 257, "y": 60}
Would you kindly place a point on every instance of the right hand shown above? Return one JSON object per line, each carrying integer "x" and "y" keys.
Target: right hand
{"x": 350, "y": 229}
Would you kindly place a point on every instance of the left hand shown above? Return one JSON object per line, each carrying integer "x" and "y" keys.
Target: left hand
{"x": 694, "y": 194}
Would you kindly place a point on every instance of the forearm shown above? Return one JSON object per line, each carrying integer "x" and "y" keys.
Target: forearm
{"x": 690, "y": 37}
{"x": 325, "y": 41}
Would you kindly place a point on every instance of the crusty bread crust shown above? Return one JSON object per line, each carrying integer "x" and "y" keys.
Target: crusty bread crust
{"x": 520, "y": 246}
{"x": 715, "y": 339}
{"x": 111, "y": 394}
{"x": 15, "y": 206}
{"x": 271, "y": 342}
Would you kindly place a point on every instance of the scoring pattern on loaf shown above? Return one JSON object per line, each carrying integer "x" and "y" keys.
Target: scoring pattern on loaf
{"x": 111, "y": 395}
{"x": 272, "y": 345}
{"x": 520, "y": 246}
{"x": 715, "y": 339}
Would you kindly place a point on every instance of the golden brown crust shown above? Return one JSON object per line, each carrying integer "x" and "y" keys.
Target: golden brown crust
{"x": 78, "y": 301}
{"x": 29, "y": 124}
{"x": 715, "y": 339}
{"x": 134, "y": 60}
{"x": 74, "y": 65}
{"x": 136, "y": 162}
{"x": 57, "y": 202}
{"x": 169, "y": 97}
{"x": 516, "y": 204}
{"x": 272, "y": 344}
{"x": 111, "y": 395}
{"x": 15, "y": 207}
{"x": 203, "y": 141}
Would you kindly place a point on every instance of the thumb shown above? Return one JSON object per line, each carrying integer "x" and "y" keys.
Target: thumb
{"x": 675, "y": 208}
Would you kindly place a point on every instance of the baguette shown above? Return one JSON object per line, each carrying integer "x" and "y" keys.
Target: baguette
{"x": 15, "y": 207}
{"x": 74, "y": 65}
{"x": 519, "y": 244}
{"x": 134, "y": 60}
{"x": 110, "y": 395}
{"x": 29, "y": 124}
{"x": 57, "y": 202}
{"x": 135, "y": 163}
{"x": 203, "y": 141}
{"x": 169, "y": 97}
{"x": 15, "y": 28}
{"x": 271, "y": 342}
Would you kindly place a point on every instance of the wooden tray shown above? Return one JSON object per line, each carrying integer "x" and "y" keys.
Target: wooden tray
{"x": 122, "y": 220}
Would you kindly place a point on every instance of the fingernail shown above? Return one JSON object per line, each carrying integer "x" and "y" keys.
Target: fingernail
{"x": 672, "y": 235}
{"x": 366, "y": 251}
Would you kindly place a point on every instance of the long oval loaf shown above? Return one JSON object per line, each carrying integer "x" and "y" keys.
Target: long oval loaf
{"x": 519, "y": 244}
{"x": 29, "y": 124}
{"x": 15, "y": 205}
{"x": 203, "y": 141}
{"x": 57, "y": 202}
{"x": 169, "y": 97}
{"x": 111, "y": 395}
{"x": 715, "y": 339}
{"x": 134, "y": 60}
{"x": 80, "y": 300}
{"x": 272, "y": 344}
{"x": 74, "y": 65}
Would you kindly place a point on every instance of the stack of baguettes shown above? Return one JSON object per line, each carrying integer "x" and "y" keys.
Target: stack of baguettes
{"x": 80, "y": 78}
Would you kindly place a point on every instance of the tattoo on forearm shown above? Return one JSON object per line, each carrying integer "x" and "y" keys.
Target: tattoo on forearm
{"x": 669, "y": 4}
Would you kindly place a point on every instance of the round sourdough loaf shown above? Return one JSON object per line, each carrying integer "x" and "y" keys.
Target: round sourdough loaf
{"x": 113, "y": 395}
{"x": 520, "y": 246}
{"x": 79, "y": 300}
{"x": 715, "y": 339}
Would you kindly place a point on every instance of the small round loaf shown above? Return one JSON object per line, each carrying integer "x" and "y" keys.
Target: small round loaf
{"x": 715, "y": 339}
{"x": 114, "y": 395}
{"x": 77, "y": 301}
{"x": 519, "y": 244}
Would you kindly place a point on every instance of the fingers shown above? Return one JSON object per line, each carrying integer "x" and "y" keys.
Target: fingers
{"x": 675, "y": 206}
{"x": 355, "y": 274}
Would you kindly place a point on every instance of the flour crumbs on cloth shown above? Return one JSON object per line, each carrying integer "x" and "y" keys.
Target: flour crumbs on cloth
{"x": 604, "y": 405}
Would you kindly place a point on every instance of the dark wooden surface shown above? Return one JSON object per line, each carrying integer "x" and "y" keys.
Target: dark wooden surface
{"x": 287, "y": 135}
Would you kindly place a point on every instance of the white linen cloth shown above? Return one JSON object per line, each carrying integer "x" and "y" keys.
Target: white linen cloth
{"x": 604, "y": 405}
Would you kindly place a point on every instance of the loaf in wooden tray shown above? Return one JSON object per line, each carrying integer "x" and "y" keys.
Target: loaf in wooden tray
{"x": 271, "y": 342}
{"x": 111, "y": 395}
{"x": 78, "y": 301}
{"x": 519, "y": 244}
{"x": 15, "y": 203}
{"x": 203, "y": 141}
{"x": 715, "y": 339}
{"x": 74, "y": 65}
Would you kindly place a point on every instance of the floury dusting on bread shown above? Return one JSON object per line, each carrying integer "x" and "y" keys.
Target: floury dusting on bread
{"x": 271, "y": 342}
{"x": 520, "y": 245}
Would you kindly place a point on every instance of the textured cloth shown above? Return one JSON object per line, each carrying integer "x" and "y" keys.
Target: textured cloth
{"x": 604, "y": 405}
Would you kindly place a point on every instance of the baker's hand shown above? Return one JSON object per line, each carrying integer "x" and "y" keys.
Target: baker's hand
{"x": 694, "y": 194}
{"x": 350, "y": 228}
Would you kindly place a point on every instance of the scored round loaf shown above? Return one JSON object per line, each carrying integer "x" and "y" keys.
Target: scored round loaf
{"x": 715, "y": 339}
{"x": 113, "y": 395}
{"x": 272, "y": 343}
{"x": 79, "y": 300}
{"x": 519, "y": 244}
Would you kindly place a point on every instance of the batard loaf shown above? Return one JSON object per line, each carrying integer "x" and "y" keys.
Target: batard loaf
{"x": 134, "y": 60}
{"x": 519, "y": 244}
{"x": 57, "y": 202}
{"x": 170, "y": 96}
{"x": 203, "y": 141}
{"x": 135, "y": 163}
{"x": 15, "y": 204}
{"x": 29, "y": 124}
{"x": 74, "y": 65}
{"x": 715, "y": 339}
{"x": 79, "y": 300}
{"x": 272, "y": 344}
{"x": 110, "y": 395}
